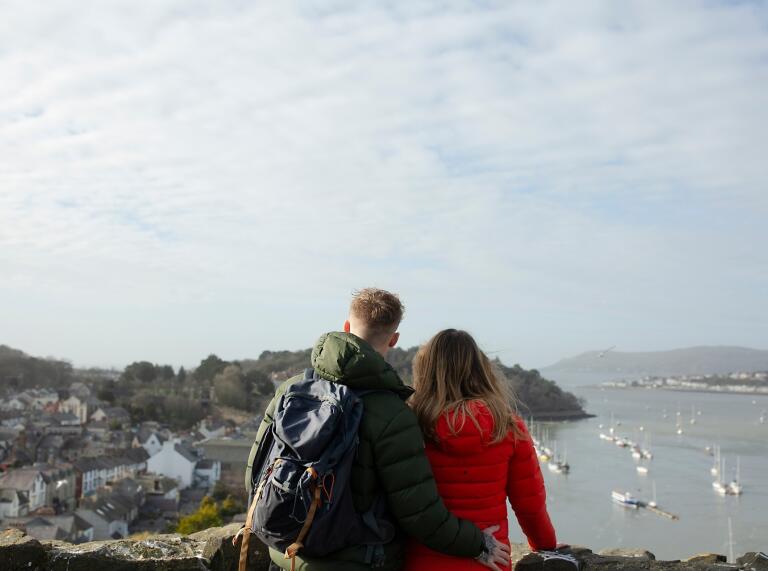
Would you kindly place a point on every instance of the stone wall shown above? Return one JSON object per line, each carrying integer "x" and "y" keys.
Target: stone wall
{"x": 212, "y": 550}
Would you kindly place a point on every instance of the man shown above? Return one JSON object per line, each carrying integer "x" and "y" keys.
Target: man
{"x": 390, "y": 461}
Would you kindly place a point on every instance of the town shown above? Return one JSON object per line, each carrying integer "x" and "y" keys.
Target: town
{"x": 739, "y": 382}
{"x": 92, "y": 454}
{"x": 75, "y": 468}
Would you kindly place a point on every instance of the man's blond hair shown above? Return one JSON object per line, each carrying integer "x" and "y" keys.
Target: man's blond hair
{"x": 379, "y": 311}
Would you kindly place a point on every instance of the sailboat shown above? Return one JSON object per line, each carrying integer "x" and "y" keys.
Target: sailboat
{"x": 559, "y": 466}
{"x": 719, "y": 485}
{"x": 715, "y": 469}
{"x": 642, "y": 469}
{"x": 646, "y": 451}
{"x": 653, "y": 503}
{"x": 762, "y": 417}
{"x": 693, "y": 414}
{"x": 734, "y": 487}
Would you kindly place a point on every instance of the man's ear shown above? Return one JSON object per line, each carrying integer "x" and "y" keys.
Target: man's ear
{"x": 393, "y": 340}
{"x": 347, "y": 326}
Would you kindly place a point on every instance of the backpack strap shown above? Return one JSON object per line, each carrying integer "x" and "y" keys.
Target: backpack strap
{"x": 246, "y": 534}
{"x": 310, "y": 374}
{"x": 293, "y": 548}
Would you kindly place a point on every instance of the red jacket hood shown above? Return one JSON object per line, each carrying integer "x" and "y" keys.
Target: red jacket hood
{"x": 470, "y": 437}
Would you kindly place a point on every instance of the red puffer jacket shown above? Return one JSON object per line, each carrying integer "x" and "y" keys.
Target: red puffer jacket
{"x": 475, "y": 477}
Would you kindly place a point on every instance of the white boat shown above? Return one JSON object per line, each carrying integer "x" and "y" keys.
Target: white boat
{"x": 642, "y": 470}
{"x": 646, "y": 453}
{"x": 734, "y": 487}
{"x": 559, "y": 466}
{"x": 653, "y": 503}
{"x": 719, "y": 485}
{"x": 762, "y": 417}
{"x": 625, "y": 499}
{"x": 637, "y": 452}
{"x": 715, "y": 469}
{"x": 693, "y": 415}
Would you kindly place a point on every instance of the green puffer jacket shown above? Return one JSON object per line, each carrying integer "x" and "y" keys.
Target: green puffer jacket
{"x": 390, "y": 461}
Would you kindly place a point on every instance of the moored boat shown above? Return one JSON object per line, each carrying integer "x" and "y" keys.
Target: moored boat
{"x": 625, "y": 499}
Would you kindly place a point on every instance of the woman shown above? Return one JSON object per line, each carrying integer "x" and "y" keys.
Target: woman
{"x": 480, "y": 450}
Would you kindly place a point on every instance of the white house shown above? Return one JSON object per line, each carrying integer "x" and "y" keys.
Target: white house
{"x": 207, "y": 472}
{"x": 77, "y": 406}
{"x": 13, "y": 503}
{"x": 42, "y": 398}
{"x": 68, "y": 527}
{"x": 13, "y": 403}
{"x": 110, "y": 414}
{"x": 152, "y": 442}
{"x": 109, "y": 518}
{"x": 93, "y": 473}
{"x": 212, "y": 429}
{"x": 29, "y": 481}
{"x": 176, "y": 461}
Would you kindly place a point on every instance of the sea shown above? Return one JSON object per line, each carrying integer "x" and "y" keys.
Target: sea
{"x": 580, "y": 503}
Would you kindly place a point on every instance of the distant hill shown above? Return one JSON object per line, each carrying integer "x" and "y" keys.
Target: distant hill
{"x": 538, "y": 397}
{"x": 19, "y": 370}
{"x": 689, "y": 361}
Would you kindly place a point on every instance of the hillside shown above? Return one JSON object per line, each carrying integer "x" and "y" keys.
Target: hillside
{"x": 688, "y": 361}
{"x": 538, "y": 397}
{"x": 19, "y": 370}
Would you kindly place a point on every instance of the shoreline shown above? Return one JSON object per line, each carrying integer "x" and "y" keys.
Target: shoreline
{"x": 565, "y": 415}
{"x": 678, "y": 390}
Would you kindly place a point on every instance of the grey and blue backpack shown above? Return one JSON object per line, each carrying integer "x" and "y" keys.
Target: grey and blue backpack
{"x": 300, "y": 489}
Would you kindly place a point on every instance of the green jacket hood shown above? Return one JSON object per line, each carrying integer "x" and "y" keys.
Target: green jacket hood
{"x": 348, "y": 359}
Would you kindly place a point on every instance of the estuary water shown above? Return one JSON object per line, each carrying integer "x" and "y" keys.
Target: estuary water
{"x": 580, "y": 503}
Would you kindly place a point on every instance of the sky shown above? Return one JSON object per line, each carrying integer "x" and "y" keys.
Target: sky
{"x": 182, "y": 177}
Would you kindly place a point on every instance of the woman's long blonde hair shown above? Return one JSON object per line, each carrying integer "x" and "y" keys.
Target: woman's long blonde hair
{"x": 449, "y": 373}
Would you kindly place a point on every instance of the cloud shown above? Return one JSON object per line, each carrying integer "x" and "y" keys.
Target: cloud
{"x": 531, "y": 168}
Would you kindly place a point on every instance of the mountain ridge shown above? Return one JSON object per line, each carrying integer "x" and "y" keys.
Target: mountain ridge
{"x": 699, "y": 359}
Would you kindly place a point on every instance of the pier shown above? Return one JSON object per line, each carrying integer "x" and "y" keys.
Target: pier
{"x": 659, "y": 511}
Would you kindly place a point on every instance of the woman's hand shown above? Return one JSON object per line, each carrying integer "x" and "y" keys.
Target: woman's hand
{"x": 495, "y": 555}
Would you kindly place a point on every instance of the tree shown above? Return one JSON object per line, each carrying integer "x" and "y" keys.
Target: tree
{"x": 207, "y": 515}
{"x": 181, "y": 376}
{"x": 260, "y": 381}
{"x": 166, "y": 372}
{"x": 230, "y": 388}
{"x": 209, "y": 368}
{"x": 220, "y": 491}
{"x": 143, "y": 371}
{"x": 106, "y": 394}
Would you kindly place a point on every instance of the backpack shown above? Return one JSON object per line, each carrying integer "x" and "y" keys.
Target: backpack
{"x": 301, "y": 495}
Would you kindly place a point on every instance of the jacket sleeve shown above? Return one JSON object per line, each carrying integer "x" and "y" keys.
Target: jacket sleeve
{"x": 406, "y": 476}
{"x": 527, "y": 494}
